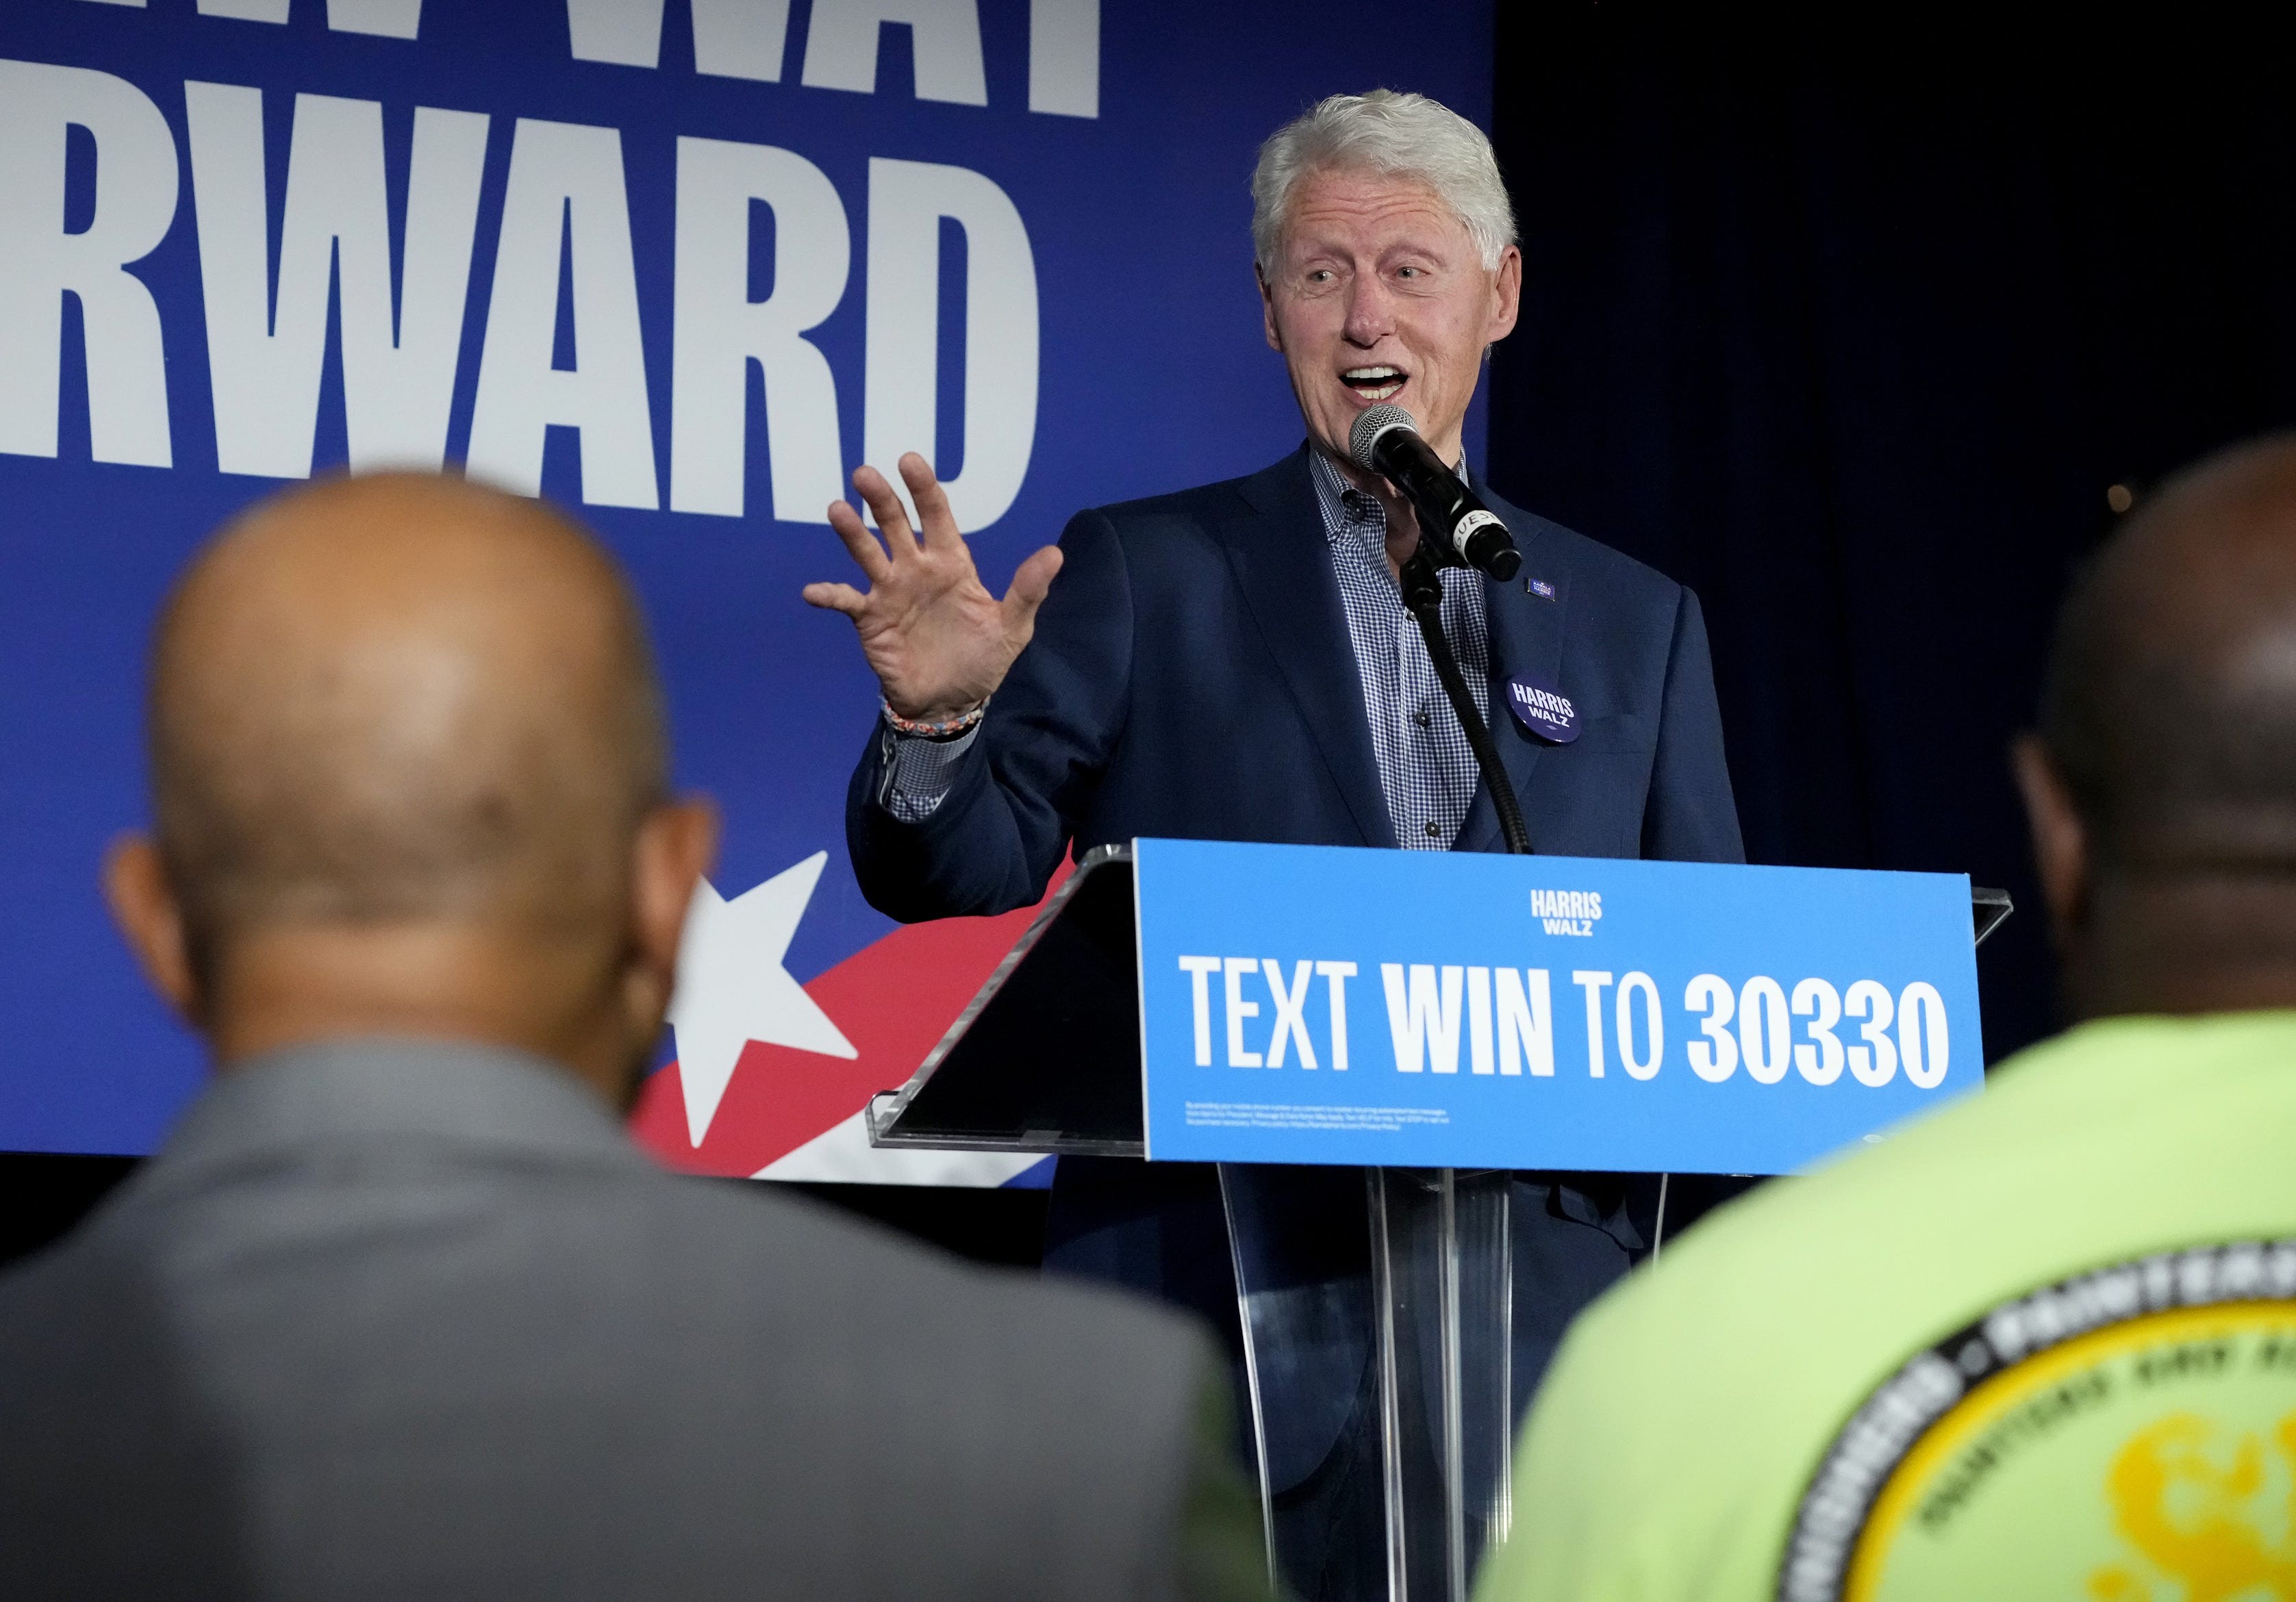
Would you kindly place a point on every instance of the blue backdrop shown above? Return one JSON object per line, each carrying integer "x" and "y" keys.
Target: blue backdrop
{"x": 1151, "y": 373}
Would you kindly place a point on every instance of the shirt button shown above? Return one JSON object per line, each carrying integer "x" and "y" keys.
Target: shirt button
{"x": 1424, "y": 722}
{"x": 1434, "y": 830}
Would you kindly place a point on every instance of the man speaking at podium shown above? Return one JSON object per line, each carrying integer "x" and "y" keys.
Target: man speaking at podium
{"x": 1237, "y": 663}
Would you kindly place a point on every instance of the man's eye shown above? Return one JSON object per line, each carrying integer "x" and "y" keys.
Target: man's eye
{"x": 1320, "y": 275}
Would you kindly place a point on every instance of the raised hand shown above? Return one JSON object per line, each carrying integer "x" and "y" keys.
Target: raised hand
{"x": 937, "y": 641}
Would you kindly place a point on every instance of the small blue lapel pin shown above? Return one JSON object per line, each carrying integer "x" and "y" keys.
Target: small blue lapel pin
{"x": 1540, "y": 588}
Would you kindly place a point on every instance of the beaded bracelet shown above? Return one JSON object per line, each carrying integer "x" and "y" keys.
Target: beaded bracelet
{"x": 947, "y": 730}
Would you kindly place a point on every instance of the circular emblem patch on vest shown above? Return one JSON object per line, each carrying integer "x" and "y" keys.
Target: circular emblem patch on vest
{"x": 2127, "y": 1435}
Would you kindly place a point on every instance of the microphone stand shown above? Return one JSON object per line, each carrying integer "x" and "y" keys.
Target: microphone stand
{"x": 1422, "y": 595}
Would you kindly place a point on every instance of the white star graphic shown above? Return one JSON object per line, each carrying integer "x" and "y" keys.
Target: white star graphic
{"x": 732, "y": 988}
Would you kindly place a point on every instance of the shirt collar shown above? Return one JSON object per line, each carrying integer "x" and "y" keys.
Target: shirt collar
{"x": 1350, "y": 509}
{"x": 396, "y": 1092}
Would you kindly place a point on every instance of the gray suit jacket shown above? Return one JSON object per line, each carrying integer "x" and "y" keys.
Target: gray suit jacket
{"x": 392, "y": 1319}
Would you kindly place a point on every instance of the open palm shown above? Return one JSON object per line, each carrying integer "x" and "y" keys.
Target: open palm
{"x": 937, "y": 641}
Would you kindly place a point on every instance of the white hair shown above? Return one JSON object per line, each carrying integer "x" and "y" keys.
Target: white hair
{"x": 1392, "y": 135}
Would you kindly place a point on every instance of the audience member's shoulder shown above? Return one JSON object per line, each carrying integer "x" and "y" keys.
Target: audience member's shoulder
{"x": 807, "y": 1241}
{"x": 810, "y": 1287}
{"x": 1907, "y": 1185}
{"x": 60, "y": 1274}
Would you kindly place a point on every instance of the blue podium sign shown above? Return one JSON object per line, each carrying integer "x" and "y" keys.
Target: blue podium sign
{"x": 1314, "y": 1004}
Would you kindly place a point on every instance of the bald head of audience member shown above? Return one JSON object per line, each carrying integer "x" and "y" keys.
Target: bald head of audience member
{"x": 2162, "y": 784}
{"x": 409, "y": 766}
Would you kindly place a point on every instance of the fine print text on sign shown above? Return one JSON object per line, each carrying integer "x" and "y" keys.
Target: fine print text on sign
{"x": 1317, "y": 1005}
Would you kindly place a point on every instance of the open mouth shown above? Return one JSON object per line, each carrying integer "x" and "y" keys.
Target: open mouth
{"x": 1375, "y": 383}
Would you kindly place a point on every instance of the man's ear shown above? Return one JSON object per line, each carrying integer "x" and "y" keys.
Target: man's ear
{"x": 676, "y": 845}
{"x": 1507, "y": 285}
{"x": 2061, "y": 843}
{"x": 1267, "y": 308}
{"x": 151, "y": 919}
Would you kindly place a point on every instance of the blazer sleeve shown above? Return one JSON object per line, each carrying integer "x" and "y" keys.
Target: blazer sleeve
{"x": 1691, "y": 815}
{"x": 996, "y": 839}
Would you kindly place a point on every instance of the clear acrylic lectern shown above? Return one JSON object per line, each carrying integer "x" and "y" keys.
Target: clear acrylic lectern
{"x": 1046, "y": 1058}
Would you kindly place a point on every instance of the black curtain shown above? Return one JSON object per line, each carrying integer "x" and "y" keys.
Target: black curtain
{"x": 1855, "y": 336}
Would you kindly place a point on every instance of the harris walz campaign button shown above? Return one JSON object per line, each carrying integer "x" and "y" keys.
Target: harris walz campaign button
{"x": 1545, "y": 712}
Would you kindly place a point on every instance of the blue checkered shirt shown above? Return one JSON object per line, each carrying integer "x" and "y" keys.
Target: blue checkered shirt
{"x": 1425, "y": 764}
{"x": 1426, "y": 767}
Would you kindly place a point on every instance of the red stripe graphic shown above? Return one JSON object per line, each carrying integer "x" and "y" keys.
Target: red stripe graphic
{"x": 894, "y": 999}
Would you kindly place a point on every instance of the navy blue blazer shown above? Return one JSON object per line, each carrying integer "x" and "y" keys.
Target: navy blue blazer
{"x": 1192, "y": 677}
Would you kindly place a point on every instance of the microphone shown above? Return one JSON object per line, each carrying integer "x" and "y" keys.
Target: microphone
{"x": 1465, "y": 532}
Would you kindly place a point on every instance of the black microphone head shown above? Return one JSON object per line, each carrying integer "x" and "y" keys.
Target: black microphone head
{"x": 1364, "y": 437}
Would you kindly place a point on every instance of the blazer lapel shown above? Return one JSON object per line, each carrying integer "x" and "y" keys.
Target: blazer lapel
{"x": 1526, "y": 637}
{"x": 1276, "y": 547}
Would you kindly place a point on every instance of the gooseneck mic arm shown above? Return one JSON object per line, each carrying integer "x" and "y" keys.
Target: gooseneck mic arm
{"x": 1422, "y": 595}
